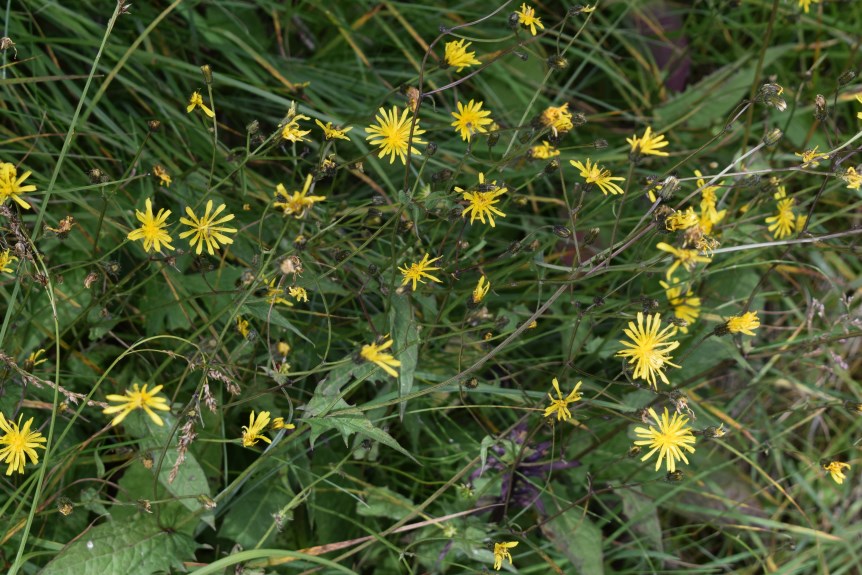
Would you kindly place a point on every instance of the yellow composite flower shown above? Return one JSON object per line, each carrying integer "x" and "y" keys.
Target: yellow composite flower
{"x": 709, "y": 215}
{"x": 481, "y": 290}
{"x": 649, "y": 144}
{"x": 527, "y": 18}
{"x": 242, "y": 326}
{"x": 685, "y": 306}
{"x": 457, "y": 56}
{"x": 391, "y": 134}
{"x": 745, "y": 323}
{"x": 558, "y": 119}
{"x": 501, "y": 552}
{"x": 672, "y": 439}
{"x": 6, "y": 259}
{"x": 331, "y": 133}
{"x": 298, "y": 203}
{"x": 649, "y": 349}
{"x": 153, "y": 228}
{"x": 851, "y": 177}
{"x": 835, "y": 469}
{"x": 278, "y": 423}
{"x": 595, "y": 174}
{"x": 859, "y": 99}
{"x": 275, "y": 295}
{"x": 560, "y": 404}
{"x": 196, "y": 101}
{"x": 681, "y": 220}
{"x": 298, "y": 293}
{"x": 10, "y": 185}
{"x": 482, "y": 200}
{"x": 782, "y": 223}
{"x": 137, "y": 398}
{"x": 811, "y": 157}
{"x": 207, "y": 230}
{"x": 375, "y": 354}
{"x": 544, "y": 151}
{"x": 686, "y": 258}
{"x": 163, "y": 176}
{"x": 420, "y": 270}
{"x": 806, "y": 4}
{"x": 17, "y": 443}
{"x": 252, "y": 432}
{"x": 292, "y": 131}
{"x": 471, "y": 119}
{"x": 34, "y": 359}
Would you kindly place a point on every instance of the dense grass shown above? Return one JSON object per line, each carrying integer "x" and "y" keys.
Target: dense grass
{"x": 423, "y": 473}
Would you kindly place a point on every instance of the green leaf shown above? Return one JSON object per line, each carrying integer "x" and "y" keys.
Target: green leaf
{"x": 137, "y": 546}
{"x": 579, "y": 539}
{"x": 347, "y": 425}
{"x": 642, "y": 514}
{"x": 249, "y": 522}
{"x": 402, "y": 326}
{"x": 383, "y": 502}
{"x": 265, "y": 314}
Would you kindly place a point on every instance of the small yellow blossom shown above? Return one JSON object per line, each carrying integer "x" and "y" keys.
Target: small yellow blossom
{"x": 648, "y": 145}
{"x": 686, "y": 258}
{"x": 292, "y": 131}
{"x": 670, "y": 439}
{"x": 457, "y": 56}
{"x": 859, "y": 99}
{"x": 835, "y": 469}
{"x": 782, "y": 223}
{"x": 196, "y": 101}
{"x": 34, "y": 359}
{"x": 242, "y": 326}
{"x": 681, "y": 220}
{"x": 558, "y": 119}
{"x": 471, "y": 119}
{"x": 685, "y": 306}
{"x": 852, "y": 178}
{"x": 278, "y": 423}
{"x": 527, "y": 18}
{"x": 10, "y": 185}
{"x": 6, "y": 259}
{"x": 391, "y": 134}
{"x": 153, "y": 229}
{"x": 374, "y": 354}
{"x": 595, "y": 174}
{"x": 252, "y": 432}
{"x": 544, "y": 151}
{"x": 649, "y": 349}
{"x": 163, "y": 176}
{"x": 207, "y": 230}
{"x": 481, "y": 290}
{"x": 501, "y": 552}
{"x": 560, "y": 404}
{"x": 297, "y": 204}
{"x": 800, "y": 223}
{"x": 811, "y": 158}
{"x": 709, "y": 215}
{"x": 419, "y": 270}
{"x": 283, "y": 348}
{"x": 482, "y": 200}
{"x": 745, "y": 323}
{"x": 298, "y": 293}
{"x": 331, "y": 133}
{"x": 18, "y": 443}
{"x": 275, "y": 294}
{"x": 806, "y": 4}
{"x": 137, "y": 398}
{"x": 533, "y": 325}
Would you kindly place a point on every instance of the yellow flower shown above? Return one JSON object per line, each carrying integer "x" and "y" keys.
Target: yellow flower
{"x": 391, "y": 134}
{"x": 162, "y": 175}
{"x": 782, "y": 223}
{"x": 558, "y": 119}
{"x": 471, "y": 119}
{"x": 251, "y": 433}
{"x": 859, "y": 99}
{"x": 805, "y": 4}
{"x": 374, "y": 354}
{"x": 681, "y": 220}
{"x": 709, "y": 216}
{"x": 10, "y": 185}
{"x": 501, "y": 551}
{"x": 481, "y": 290}
{"x": 670, "y": 439}
{"x": 851, "y": 176}
{"x": 207, "y": 230}
{"x": 242, "y": 326}
{"x": 291, "y": 130}
{"x": 800, "y": 223}
{"x": 685, "y": 306}
{"x": 527, "y": 18}
{"x": 682, "y": 257}
{"x": 420, "y": 270}
{"x": 137, "y": 398}
{"x": 482, "y": 201}
{"x": 544, "y": 151}
{"x": 560, "y": 404}
{"x": 275, "y": 295}
{"x": 152, "y": 230}
{"x": 649, "y": 349}
{"x": 331, "y": 133}
{"x": 835, "y": 469}
{"x": 196, "y": 101}
{"x": 457, "y": 56}
{"x": 810, "y": 157}
{"x": 648, "y": 145}
{"x": 298, "y": 204}
{"x": 278, "y": 423}
{"x": 744, "y": 323}
{"x": 283, "y": 348}
{"x": 298, "y": 293}
{"x": 18, "y": 443}
{"x": 595, "y": 174}
{"x": 6, "y": 259}
{"x": 34, "y": 359}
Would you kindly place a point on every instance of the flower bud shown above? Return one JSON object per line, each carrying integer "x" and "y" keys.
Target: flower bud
{"x": 562, "y": 232}
{"x": 773, "y": 137}
{"x": 770, "y": 95}
{"x": 846, "y": 77}
{"x": 821, "y": 112}
{"x": 208, "y": 74}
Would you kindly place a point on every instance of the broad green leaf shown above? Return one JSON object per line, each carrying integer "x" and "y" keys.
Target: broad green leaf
{"x": 250, "y": 520}
{"x": 383, "y": 502}
{"x": 402, "y": 326}
{"x": 348, "y": 425}
{"x": 642, "y": 514}
{"x": 264, "y": 313}
{"x": 579, "y": 539}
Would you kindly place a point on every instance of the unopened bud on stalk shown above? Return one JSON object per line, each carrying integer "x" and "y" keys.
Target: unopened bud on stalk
{"x": 770, "y": 95}
{"x": 208, "y": 74}
{"x": 773, "y": 137}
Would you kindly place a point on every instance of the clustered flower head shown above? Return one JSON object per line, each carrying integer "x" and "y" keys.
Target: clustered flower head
{"x": 252, "y": 432}
{"x": 11, "y": 185}
{"x": 207, "y": 230}
{"x": 745, "y": 323}
{"x": 544, "y": 151}
{"x": 481, "y": 290}
{"x": 18, "y": 443}
{"x": 671, "y": 439}
{"x": 528, "y": 19}
{"x": 501, "y": 552}
{"x": 558, "y": 119}
{"x": 686, "y": 307}
{"x": 298, "y": 203}
{"x": 649, "y": 348}
{"x": 419, "y": 270}
{"x": 471, "y": 119}
{"x": 595, "y": 174}
{"x": 376, "y": 354}
{"x": 648, "y": 144}
{"x": 482, "y": 200}
{"x": 783, "y": 223}
{"x": 686, "y": 258}
{"x": 560, "y": 405}
{"x": 137, "y": 398}
{"x": 457, "y": 56}
{"x": 835, "y": 469}
{"x": 331, "y": 133}
{"x": 6, "y": 259}
{"x": 153, "y": 231}
{"x": 392, "y": 134}
{"x": 196, "y": 101}
{"x": 291, "y": 130}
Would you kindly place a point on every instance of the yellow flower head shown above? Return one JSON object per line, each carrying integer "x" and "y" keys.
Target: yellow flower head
{"x": 419, "y": 270}
{"x": 278, "y": 423}
{"x": 18, "y": 443}
{"x": 527, "y": 18}
{"x": 544, "y": 151}
{"x": 331, "y": 133}
{"x": 471, "y": 119}
{"x": 501, "y": 552}
{"x": 560, "y": 404}
{"x": 685, "y": 306}
{"x": 850, "y": 176}
{"x": 298, "y": 293}
{"x": 811, "y": 158}
{"x": 681, "y": 220}
{"x": 153, "y": 229}
{"x": 805, "y": 5}
{"x": 163, "y": 176}
{"x": 10, "y": 185}
{"x": 252, "y": 432}
{"x": 242, "y": 326}
{"x": 782, "y": 223}
{"x": 835, "y": 469}
{"x": 709, "y": 215}
{"x": 391, "y": 134}
{"x": 745, "y": 323}
{"x": 196, "y": 101}
{"x": 35, "y": 358}
{"x": 137, "y": 398}
{"x": 688, "y": 259}
{"x": 207, "y": 230}
{"x": 298, "y": 204}
{"x": 648, "y": 145}
{"x": 374, "y": 354}
{"x": 481, "y": 290}
{"x": 291, "y": 131}
{"x": 457, "y": 56}
{"x": 595, "y": 174}
{"x": 6, "y": 259}
{"x": 649, "y": 349}
{"x": 482, "y": 200}
{"x": 558, "y": 119}
{"x": 672, "y": 438}
{"x": 275, "y": 294}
